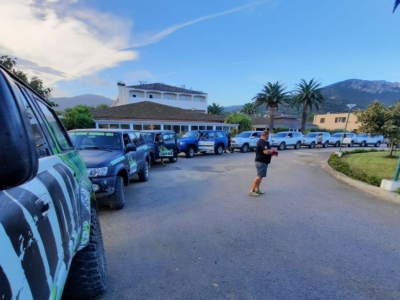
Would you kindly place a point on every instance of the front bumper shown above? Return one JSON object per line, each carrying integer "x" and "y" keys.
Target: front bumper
{"x": 105, "y": 185}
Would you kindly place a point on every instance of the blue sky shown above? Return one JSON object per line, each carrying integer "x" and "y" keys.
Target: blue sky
{"x": 228, "y": 49}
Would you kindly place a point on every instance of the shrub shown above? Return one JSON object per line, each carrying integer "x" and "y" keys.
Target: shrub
{"x": 336, "y": 163}
{"x": 280, "y": 129}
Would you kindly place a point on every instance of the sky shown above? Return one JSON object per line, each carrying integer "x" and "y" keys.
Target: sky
{"x": 227, "y": 49}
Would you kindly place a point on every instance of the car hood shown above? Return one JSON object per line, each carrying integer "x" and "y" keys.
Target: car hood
{"x": 99, "y": 158}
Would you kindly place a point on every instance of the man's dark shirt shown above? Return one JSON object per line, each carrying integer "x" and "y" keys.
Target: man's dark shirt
{"x": 260, "y": 156}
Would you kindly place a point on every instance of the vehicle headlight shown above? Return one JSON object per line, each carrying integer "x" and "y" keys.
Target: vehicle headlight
{"x": 94, "y": 172}
{"x": 181, "y": 143}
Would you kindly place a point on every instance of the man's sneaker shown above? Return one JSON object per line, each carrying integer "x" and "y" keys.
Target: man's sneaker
{"x": 254, "y": 194}
{"x": 259, "y": 192}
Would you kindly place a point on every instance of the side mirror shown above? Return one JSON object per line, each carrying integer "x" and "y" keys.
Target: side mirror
{"x": 18, "y": 154}
{"x": 130, "y": 147}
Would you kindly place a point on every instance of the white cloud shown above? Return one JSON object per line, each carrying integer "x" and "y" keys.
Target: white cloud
{"x": 144, "y": 40}
{"x": 58, "y": 41}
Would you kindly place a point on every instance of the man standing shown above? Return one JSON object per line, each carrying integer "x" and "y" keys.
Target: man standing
{"x": 263, "y": 158}
{"x": 319, "y": 141}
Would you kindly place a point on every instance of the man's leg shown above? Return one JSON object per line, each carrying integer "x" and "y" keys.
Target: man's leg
{"x": 258, "y": 184}
{"x": 255, "y": 184}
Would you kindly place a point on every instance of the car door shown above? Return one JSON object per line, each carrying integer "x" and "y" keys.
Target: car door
{"x": 44, "y": 231}
{"x": 132, "y": 156}
{"x": 253, "y": 139}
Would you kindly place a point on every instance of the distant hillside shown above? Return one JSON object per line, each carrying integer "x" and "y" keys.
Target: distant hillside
{"x": 359, "y": 92}
{"x": 88, "y": 99}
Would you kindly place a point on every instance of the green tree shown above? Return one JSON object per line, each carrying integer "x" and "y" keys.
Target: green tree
{"x": 378, "y": 120}
{"x": 307, "y": 95}
{"x": 78, "y": 117}
{"x": 249, "y": 109}
{"x": 215, "y": 109}
{"x": 35, "y": 83}
{"x": 101, "y": 106}
{"x": 243, "y": 120}
{"x": 272, "y": 95}
{"x": 396, "y": 3}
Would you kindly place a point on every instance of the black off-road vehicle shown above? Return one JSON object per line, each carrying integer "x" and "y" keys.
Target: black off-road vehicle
{"x": 169, "y": 149}
{"x": 50, "y": 235}
{"x": 112, "y": 157}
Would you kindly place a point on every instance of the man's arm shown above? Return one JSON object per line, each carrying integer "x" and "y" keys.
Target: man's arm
{"x": 268, "y": 150}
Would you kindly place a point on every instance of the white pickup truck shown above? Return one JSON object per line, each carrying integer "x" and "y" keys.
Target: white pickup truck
{"x": 246, "y": 140}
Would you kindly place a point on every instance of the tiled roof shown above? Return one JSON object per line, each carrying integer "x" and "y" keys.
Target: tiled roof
{"x": 147, "y": 110}
{"x": 164, "y": 88}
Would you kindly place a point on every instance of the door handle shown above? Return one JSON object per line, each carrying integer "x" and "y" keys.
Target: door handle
{"x": 45, "y": 210}
{"x": 43, "y": 206}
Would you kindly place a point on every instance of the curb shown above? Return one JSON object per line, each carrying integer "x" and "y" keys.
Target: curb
{"x": 386, "y": 195}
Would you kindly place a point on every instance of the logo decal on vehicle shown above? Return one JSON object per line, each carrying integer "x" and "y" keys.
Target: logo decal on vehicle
{"x": 165, "y": 152}
{"x": 132, "y": 165}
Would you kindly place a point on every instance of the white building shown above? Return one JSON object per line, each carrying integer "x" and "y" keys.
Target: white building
{"x": 161, "y": 94}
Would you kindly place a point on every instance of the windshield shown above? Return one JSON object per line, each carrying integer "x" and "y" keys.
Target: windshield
{"x": 337, "y": 135}
{"x": 362, "y": 135}
{"x": 191, "y": 134}
{"x": 280, "y": 135}
{"x": 96, "y": 140}
{"x": 311, "y": 135}
{"x": 148, "y": 137}
{"x": 244, "y": 134}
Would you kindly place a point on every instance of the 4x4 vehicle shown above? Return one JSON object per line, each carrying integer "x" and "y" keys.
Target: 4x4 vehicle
{"x": 246, "y": 140}
{"x": 310, "y": 139}
{"x": 50, "y": 235}
{"x": 113, "y": 157}
{"x": 365, "y": 139}
{"x": 203, "y": 141}
{"x": 287, "y": 138}
{"x": 170, "y": 148}
{"x": 336, "y": 139}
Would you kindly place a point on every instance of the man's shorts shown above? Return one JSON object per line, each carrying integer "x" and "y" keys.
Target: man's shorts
{"x": 261, "y": 169}
{"x": 319, "y": 143}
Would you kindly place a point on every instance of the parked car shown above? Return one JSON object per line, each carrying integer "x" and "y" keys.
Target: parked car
{"x": 366, "y": 139}
{"x": 310, "y": 139}
{"x": 336, "y": 139}
{"x": 284, "y": 139}
{"x": 113, "y": 157}
{"x": 170, "y": 149}
{"x": 51, "y": 242}
{"x": 246, "y": 140}
{"x": 203, "y": 141}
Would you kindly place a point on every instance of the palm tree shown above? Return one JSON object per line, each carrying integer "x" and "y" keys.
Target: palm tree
{"x": 307, "y": 96}
{"x": 272, "y": 95}
{"x": 248, "y": 109}
{"x": 215, "y": 109}
{"x": 396, "y": 3}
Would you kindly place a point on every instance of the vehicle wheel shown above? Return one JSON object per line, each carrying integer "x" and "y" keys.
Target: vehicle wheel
{"x": 326, "y": 145}
{"x": 244, "y": 148}
{"x": 378, "y": 143}
{"x": 282, "y": 146}
{"x": 189, "y": 152}
{"x": 87, "y": 274}
{"x": 297, "y": 146}
{"x": 144, "y": 175}
{"x": 312, "y": 145}
{"x": 337, "y": 144}
{"x": 219, "y": 150}
{"x": 117, "y": 199}
{"x": 351, "y": 144}
{"x": 173, "y": 159}
{"x": 363, "y": 144}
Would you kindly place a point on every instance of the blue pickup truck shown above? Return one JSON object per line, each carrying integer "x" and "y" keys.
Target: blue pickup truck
{"x": 203, "y": 141}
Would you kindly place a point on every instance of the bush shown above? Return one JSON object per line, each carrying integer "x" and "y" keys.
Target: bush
{"x": 234, "y": 132}
{"x": 280, "y": 129}
{"x": 336, "y": 163}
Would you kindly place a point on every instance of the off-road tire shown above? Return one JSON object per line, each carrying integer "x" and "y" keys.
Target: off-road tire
{"x": 325, "y": 145}
{"x": 145, "y": 173}
{"x": 219, "y": 150}
{"x": 282, "y": 146}
{"x": 351, "y": 144}
{"x": 244, "y": 148}
{"x": 337, "y": 144}
{"x": 189, "y": 152}
{"x": 297, "y": 146}
{"x": 117, "y": 199}
{"x": 173, "y": 159}
{"x": 312, "y": 145}
{"x": 87, "y": 274}
{"x": 363, "y": 144}
{"x": 377, "y": 144}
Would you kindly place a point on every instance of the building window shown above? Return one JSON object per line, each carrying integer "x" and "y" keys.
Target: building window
{"x": 226, "y": 129}
{"x": 194, "y": 127}
{"x": 340, "y": 120}
{"x": 184, "y": 128}
{"x": 156, "y": 127}
{"x": 176, "y": 128}
{"x": 167, "y": 127}
{"x": 167, "y": 97}
{"x": 125, "y": 126}
{"x": 210, "y": 128}
{"x": 150, "y": 96}
{"x": 202, "y": 127}
{"x": 183, "y": 98}
{"x": 114, "y": 126}
{"x": 137, "y": 127}
{"x": 218, "y": 127}
{"x": 104, "y": 126}
{"x": 134, "y": 96}
{"x": 322, "y": 120}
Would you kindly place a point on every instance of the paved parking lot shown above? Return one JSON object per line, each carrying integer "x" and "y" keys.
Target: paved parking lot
{"x": 193, "y": 232}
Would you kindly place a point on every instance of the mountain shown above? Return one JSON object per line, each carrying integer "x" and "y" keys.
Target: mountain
{"x": 359, "y": 92}
{"x": 88, "y": 99}
{"x": 354, "y": 91}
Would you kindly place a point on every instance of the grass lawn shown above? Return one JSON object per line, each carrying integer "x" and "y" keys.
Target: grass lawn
{"x": 373, "y": 163}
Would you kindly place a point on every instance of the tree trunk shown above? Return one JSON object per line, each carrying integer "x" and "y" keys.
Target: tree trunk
{"x": 271, "y": 119}
{"x": 391, "y": 146}
{"x": 303, "y": 119}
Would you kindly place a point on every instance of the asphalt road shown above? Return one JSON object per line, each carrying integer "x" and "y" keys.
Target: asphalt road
{"x": 193, "y": 232}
